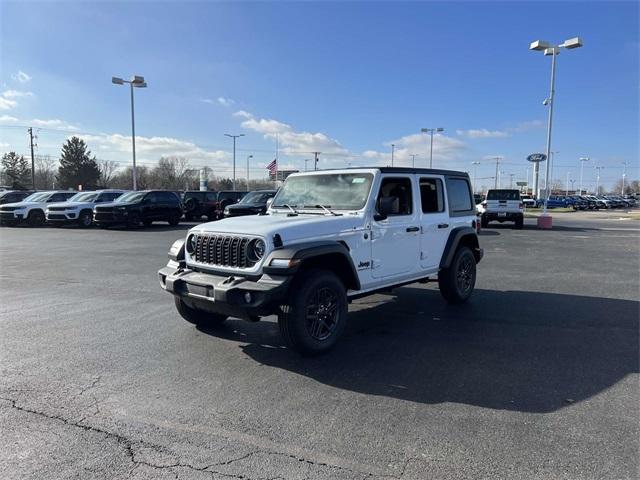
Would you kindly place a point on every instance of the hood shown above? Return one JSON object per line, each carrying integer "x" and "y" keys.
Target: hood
{"x": 240, "y": 206}
{"x": 290, "y": 229}
{"x": 25, "y": 204}
{"x": 116, "y": 204}
{"x": 71, "y": 204}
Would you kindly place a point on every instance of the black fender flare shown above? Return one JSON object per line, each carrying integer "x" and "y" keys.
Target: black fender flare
{"x": 457, "y": 236}
{"x": 301, "y": 254}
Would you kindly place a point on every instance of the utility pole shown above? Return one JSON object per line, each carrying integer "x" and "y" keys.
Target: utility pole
{"x": 393, "y": 147}
{"x": 567, "y": 193}
{"x": 511, "y": 175}
{"x": 497, "y": 159}
{"x": 248, "y": 157}
{"x": 33, "y": 161}
{"x": 624, "y": 174}
{"x": 475, "y": 171}
{"x": 316, "y": 160}
{"x": 413, "y": 157}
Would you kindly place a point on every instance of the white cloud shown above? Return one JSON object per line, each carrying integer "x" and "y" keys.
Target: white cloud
{"x": 528, "y": 125}
{"x": 52, "y": 123}
{"x": 226, "y": 102}
{"x": 8, "y": 119}
{"x": 6, "y": 104}
{"x": 152, "y": 148}
{"x": 21, "y": 77}
{"x": 16, "y": 94}
{"x": 482, "y": 133}
{"x": 291, "y": 141}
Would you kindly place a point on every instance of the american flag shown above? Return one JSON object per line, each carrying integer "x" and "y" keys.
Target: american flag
{"x": 273, "y": 167}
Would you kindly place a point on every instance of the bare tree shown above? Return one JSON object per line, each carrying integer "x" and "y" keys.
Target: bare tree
{"x": 107, "y": 171}
{"x": 45, "y": 172}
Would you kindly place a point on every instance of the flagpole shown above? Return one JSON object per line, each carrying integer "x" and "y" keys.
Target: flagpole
{"x": 276, "y": 178}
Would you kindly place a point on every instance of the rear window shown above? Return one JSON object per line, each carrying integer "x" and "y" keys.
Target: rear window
{"x": 503, "y": 195}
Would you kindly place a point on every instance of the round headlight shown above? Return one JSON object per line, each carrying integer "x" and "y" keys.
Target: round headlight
{"x": 257, "y": 249}
{"x": 191, "y": 244}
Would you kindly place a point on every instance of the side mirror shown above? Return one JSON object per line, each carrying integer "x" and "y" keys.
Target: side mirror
{"x": 385, "y": 208}
{"x": 269, "y": 202}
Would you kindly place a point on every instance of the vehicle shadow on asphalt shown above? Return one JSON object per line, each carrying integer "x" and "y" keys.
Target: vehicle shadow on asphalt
{"x": 511, "y": 350}
{"x": 533, "y": 226}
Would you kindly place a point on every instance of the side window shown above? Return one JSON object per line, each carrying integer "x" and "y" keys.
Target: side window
{"x": 459, "y": 194}
{"x": 57, "y": 197}
{"x": 400, "y": 190}
{"x": 151, "y": 197}
{"x": 431, "y": 195}
{"x": 212, "y": 196}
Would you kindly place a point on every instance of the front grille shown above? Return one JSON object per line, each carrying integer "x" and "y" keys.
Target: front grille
{"x": 104, "y": 209}
{"x": 58, "y": 209}
{"x": 56, "y": 216}
{"x": 223, "y": 250}
{"x": 8, "y": 209}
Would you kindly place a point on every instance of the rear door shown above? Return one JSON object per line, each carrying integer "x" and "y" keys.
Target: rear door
{"x": 395, "y": 240}
{"x": 434, "y": 221}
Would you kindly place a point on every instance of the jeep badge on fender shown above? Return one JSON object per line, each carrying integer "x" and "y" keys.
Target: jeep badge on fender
{"x": 328, "y": 237}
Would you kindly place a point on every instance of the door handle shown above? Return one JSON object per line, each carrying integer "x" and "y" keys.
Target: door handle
{"x": 443, "y": 225}
{"x": 413, "y": 229}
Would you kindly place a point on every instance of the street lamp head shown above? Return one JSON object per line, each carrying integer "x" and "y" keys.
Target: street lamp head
{"x": 137, "y": 79}
{"x": 539, "y": 45}
{"x": 574, "y": 42}
{"x": 117, "y": 80}
{"x": 551, "y": 51}
{"x": 439, "y": 129}
{"x": 139, "y": 85}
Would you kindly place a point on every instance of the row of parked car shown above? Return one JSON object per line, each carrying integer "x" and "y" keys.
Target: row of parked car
{"x": 106, "y": 208}
{"x": 589, "y": 202}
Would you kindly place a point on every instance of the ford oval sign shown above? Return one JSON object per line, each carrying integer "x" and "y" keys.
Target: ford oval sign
{"x": 537, "y": 157}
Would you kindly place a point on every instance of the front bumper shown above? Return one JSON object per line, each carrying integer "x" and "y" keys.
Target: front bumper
{"x": 11, "y": 217}
{"x": 62, "y": 217}
{"x": 232, "y": 296}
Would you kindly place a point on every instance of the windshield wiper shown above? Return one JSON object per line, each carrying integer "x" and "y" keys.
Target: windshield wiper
{"x": 293, "y": 210}
{"x": 326, "y": 209}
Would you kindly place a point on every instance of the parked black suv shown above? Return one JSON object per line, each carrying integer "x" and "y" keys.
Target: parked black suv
{"x": 135, "y": 208}
{"x": 197, "y": 203}
{"x": 14, "y": 196}
{"x": 252, "y": 203}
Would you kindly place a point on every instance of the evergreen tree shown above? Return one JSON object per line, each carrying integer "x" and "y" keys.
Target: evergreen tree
{"x": 77, "y": 167}
{"x": 16, "y": 170}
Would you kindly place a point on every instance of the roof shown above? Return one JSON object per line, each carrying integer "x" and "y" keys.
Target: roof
{"x": 402, "y": 170}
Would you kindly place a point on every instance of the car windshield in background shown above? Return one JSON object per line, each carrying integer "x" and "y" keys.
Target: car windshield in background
{"x": 37, "y": 197}
{"x": 130, "y": 197}
{"x": 256, "y": 197}
{"x": 83, "y": 197}
{"x": 503, "y": 195}
{"x": 342, "y": 191}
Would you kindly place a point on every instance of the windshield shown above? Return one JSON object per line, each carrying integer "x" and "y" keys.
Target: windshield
{"x": 343, "y": 191}
{"x": 130, "y": 197}
{"x": 256, "y": 197}
{"x": 38, "y": 197}
{"x": 503, "y": 195}
{"x": 83, "y": 197}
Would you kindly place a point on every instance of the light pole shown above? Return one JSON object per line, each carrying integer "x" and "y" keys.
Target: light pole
{"x": 234, "y": 156}
{"x": 624, "y": 174}
{"x": 567, "y": 193}
{"x": 430, "y": 132}
{"x": 572, "y": 182}
{"x": 598, "y": 168}
{"x": 548, "y": 49}
{"x": 475, "y": 172}
{"x": 393, "y": 148}
{"x": 248, "y": 157}
{"x": 582, "y": 160}
{"x": 136, "y": 81}
{"x": 413, "y": 157}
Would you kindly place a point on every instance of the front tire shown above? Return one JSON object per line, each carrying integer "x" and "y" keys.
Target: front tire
{"x": 457, "y": 282}
{"x": 85, "y": 219}
{"x": 134, "y": 220}
{"x": 36, "y": 218}
{"x": 314, "y": 320}
{"x": 174, "y": 219}
{"x": 198, "y": 317}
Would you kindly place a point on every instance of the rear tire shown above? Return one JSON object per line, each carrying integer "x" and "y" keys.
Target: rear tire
{"x": 85, "y": 218}
{"x": 198, "y": 317}
{"x": 483, "y": 221}
{"x": 314, "y": 320}
{"x": 147, "y": 223}
{"x": 174, "y": 219}
{"x": 519, "y": 223}
{"x": 457, "y": 282}
{"x": 36, "y": 218}
{"x": 134, "y": 220}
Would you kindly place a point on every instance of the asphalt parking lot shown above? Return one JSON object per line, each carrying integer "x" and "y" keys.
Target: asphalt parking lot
{"x": 536, "y": 377}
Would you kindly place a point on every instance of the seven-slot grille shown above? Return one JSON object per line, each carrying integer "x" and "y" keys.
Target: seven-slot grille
{"x": 59, "y": 209}
{"x": 223, "y": 250}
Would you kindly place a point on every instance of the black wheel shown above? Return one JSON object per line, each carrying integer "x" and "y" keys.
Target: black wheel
{"x": 85, "y": 218}
{"x": 174, "y": 219}
{"x": 134, "y": 220}
{"x": 519, "y": 223}
{"x": 147, "y": 223}
{"x": 36, "y": 218}
{"x": 198, "y": 317}
{"x": 313, "y": 321}
{"x": 188, "y": 217}
{"x": 190, "y": 205}
{"x": 483, "y": 221}
{"x": 456, "y": 282}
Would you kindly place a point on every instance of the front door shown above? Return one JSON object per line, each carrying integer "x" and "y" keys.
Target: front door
{"x": 395, "y": 240}
{"x": 435, "y": 222}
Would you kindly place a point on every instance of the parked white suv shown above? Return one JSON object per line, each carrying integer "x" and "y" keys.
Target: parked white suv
{"x": 31, "y": 209}
{"x": 503, "y": 206}
{"x": 79, "y": 208}
{"x": 328, "y": 237}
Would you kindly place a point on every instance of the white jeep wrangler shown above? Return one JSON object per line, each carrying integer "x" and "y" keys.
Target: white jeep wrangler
{"x": 328, "y": 237}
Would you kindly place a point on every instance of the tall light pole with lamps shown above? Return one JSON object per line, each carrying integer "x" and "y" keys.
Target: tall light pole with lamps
{"x": 393, "y": 148}
{"x": 248, "y": 157}
{"x": 136, "y": 81}
{"x": 430, "y": 131}
{"x": 544, "y": 221}
{"x": 475, "y": 172}
{"x": 582, "y": 160}
{"x": 234, "y": 156}
{"x": 413, "y": 158}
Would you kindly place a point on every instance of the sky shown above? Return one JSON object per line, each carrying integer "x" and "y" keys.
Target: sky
{"x": 346, "y": 79}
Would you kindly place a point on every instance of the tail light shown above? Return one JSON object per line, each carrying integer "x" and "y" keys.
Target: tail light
{"x": 521, "y": 205}
{"x": 484, "y": 204}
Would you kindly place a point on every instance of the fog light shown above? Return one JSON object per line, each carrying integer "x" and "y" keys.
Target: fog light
{"x": 247, "y": 297}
